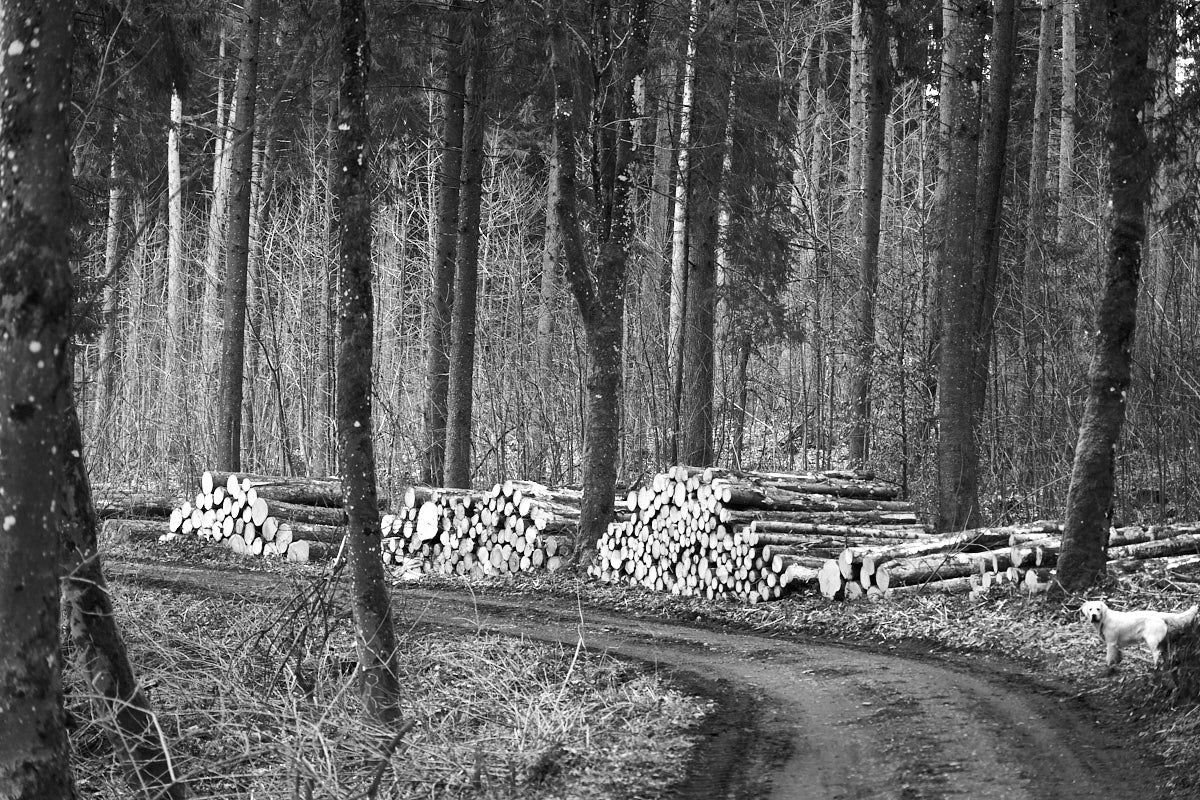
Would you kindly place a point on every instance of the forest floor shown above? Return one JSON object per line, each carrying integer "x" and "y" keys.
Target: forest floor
{"x": 557, "y": 686}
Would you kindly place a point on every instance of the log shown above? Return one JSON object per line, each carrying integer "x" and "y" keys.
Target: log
{"x": 124, "y": 531}
{"x": 116, "y": 501}
{"x": 853, "y": 531}
{"x": 937, "y": 566}
{"x": 294, "y": 513}
{"x": 326, "y": 492}
{"x": 977, "y": 538}
{"x": 1184, "y": 543}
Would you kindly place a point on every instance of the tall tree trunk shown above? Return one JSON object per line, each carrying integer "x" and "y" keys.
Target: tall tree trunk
{"x": 1130, "y": 169}
{"x": 1066, "y": 126}
{"x": 462, "y": 327}
{"x": 664, "y": 164}
{"x": 877, "y": 93}
{"x": 992, "y": 165}
{"x": 233, "y": 329}
{"x": 326, "y": 439}
{"x": 374, "y": 634}
{"x": 958, "y": 453}
{"x": 441, "y": 298}
{"x": 210, "y": 313}
{"x": 1032, "y": 280}
{"x": 599, "y": 291}
{"x": 107, "y": 379}
{"x": 677, "y": 303}
{"x": 710, "y": 118}
{"x": 35, "y": 328}
{"x": 176, "y": 287}
{"x": 858, "y": 109}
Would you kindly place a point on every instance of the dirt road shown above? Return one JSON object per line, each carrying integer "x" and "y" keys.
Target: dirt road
{"x": 801, "y": 719}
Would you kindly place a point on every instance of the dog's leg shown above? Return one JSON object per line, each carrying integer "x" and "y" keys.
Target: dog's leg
{"x": 1114, "y": 655}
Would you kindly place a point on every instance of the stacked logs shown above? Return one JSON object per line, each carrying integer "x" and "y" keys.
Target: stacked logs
{"x": 972, "y": 561}
{"x": 515, "y": 526}
{"x": 747, "y": 535}
{"x": 298, "y": 518}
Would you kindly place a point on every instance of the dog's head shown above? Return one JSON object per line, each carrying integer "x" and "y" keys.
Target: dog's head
{"x": 1093, "y": 611}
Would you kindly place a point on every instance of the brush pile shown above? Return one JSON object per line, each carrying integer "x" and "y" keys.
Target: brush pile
{"x": 747, "y": 535}
{"x": 515, "y": 526}
{"x": 973, "y": 561}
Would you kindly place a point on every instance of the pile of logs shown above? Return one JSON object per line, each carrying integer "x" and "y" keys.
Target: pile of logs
{"x": 298, "y": 518}
{"x": 973, "y": 561}
{"x": 515, "y": 526}
{"x": 747, "y": 535}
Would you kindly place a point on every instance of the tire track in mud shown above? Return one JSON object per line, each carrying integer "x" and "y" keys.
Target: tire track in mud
{"x": 798, "y": 719}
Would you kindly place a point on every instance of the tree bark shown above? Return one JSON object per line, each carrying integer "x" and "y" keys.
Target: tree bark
{"x": 992, "y": 165}
{"x": 1130, "y": 168}
{"x": 374, "y": 634}
{"x": 35, "y": 328}
{"x": 210, "y": 314}
{"x": 462, "y": 327}
{"x": 599, "y": 291}
{"x": 176, "y": 287}
{"x": 877, "y": 93}
{"x": 107, "y": 346}
{"x": 1031, "y": 281}
{"x": 237, "y": 249}
{"x": 1066, "y": 125}
{"x": 677, "y": 302}
{"x": 438, "y": 330}
{"x": 99, "y": 648}
{"x": 713, "y": 91}
{"x": 958, "y": 453}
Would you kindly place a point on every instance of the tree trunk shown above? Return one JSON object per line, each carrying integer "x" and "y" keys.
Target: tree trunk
{"x": 958, "y": 454}
{"x": 676, "y": 310}
{"x": 374, "y": 634}
{"x": 462, "y": 327}
{"x": 328, "y": 301}
{"x": 992, "y": 165}
{"x": 713, "y": 90}
{"x": 599, "y": 292}
{"x": 441, "y": 298}
{"x": 210, "y": 313}
{"x": 1066, "y": 126}
{"x": 237, "y": 249}
{"x": 1031, "y": 281}
{"x": 1130, "y": 168}
{"x": 877, "y": 91}
{"x": 99, "y": 648}
{"x": 107, "y": 348}
{"x": 176, "y": 286}
{"x": 660, "y": 211}
{"x": 35, "y": 315}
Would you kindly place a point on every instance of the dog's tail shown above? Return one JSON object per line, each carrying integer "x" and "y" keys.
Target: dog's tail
{"x": 1182, "y": 618}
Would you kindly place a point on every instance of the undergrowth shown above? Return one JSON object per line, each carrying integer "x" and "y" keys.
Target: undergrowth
{"x": 256, "y": 698}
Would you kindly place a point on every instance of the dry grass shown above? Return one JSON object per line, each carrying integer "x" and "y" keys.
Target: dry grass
{"x": 257, "y": 701}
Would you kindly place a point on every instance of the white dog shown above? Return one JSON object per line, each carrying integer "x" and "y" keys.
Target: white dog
{"x": 1123, "y": 628}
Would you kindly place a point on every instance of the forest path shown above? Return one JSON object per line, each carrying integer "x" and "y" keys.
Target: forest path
{"x": 796, "y": 718}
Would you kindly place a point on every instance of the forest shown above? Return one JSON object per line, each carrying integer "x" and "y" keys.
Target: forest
{"x": 451, "y": 243}
{"x": 785, "y": 225}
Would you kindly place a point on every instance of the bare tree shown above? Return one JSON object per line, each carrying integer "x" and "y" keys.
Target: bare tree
{"x": 375, "y": 635}
{"x": 35, "y": 329}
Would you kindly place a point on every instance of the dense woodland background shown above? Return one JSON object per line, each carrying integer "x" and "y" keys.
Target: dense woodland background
{"x": 765, "y": 108}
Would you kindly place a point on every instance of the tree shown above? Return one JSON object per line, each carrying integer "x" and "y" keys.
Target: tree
{"x": 35, "y": 328}
{"x": 703, "y": 178}
{"x": 375, "y": 635}
{"x": 237, "y": 248}
{"x": 466, "y": 272}
{"x": 958, "y": 450}
{"x": 438, "y": 319}
{"x": 876, "y": 78}
{"x": 1130, "y": 171}
{"x": 599, "y": 290}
